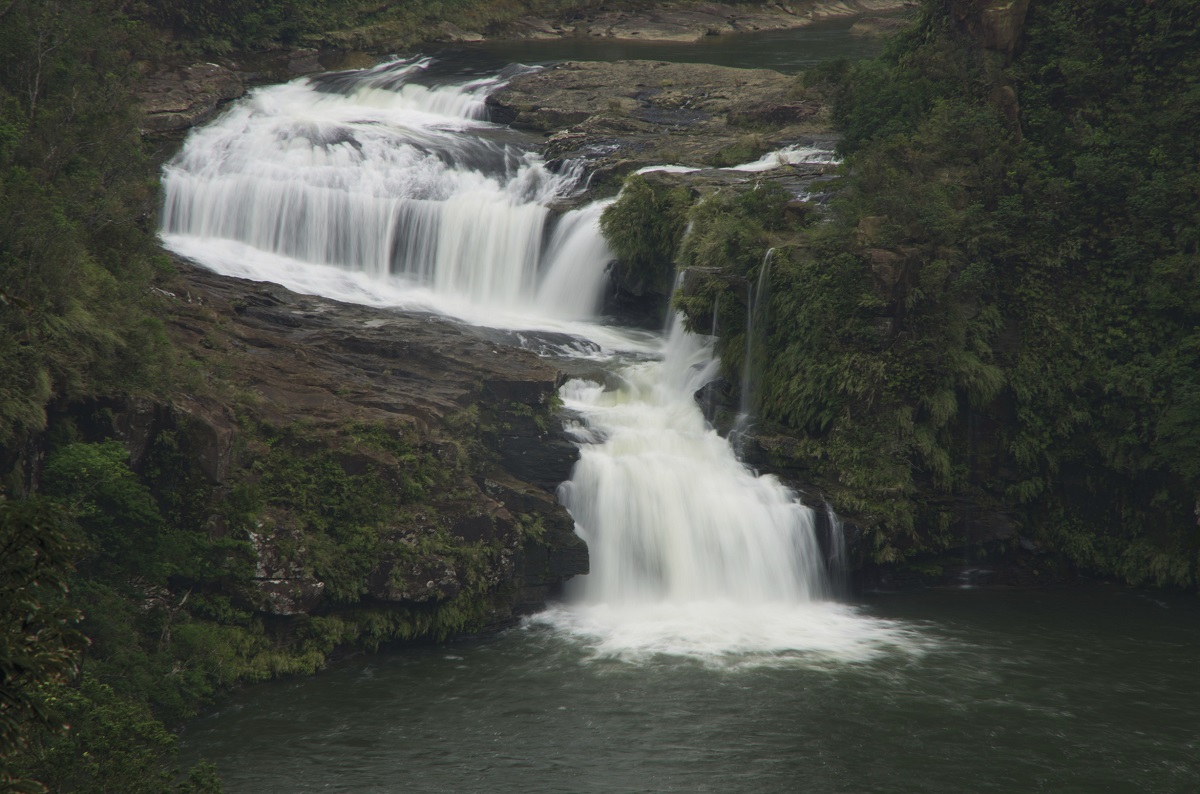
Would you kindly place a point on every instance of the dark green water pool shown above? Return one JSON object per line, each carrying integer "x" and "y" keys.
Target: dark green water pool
{"x": 786, "y": 51}
{"x": 1090, "y": 689}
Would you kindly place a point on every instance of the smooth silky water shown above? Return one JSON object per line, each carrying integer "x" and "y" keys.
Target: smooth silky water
{"x": 705, "y": 651}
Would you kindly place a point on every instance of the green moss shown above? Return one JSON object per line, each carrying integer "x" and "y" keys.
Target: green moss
{"x": 644, "y": 227}
{"x": 746, "y": 150}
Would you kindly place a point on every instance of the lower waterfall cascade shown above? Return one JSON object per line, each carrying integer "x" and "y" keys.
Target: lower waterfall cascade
{"x": 383, "y": 186}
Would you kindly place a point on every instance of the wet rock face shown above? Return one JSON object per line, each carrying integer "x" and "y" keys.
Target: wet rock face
{"x": 303, "y": 361}
{"x": 174, "y": 99}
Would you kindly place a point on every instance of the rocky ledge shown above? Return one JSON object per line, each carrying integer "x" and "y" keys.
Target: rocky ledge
{"x": 692, "y": 22}
{"x": 626, "y": 115}
{"x": 296, "y": 386}
{"x": 177, "y": 98}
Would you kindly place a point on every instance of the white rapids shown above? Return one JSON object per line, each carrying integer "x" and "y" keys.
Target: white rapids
{"x": 693, "y": 554}
{"x": 369, "y": 177}
{"x": 385, "y": 188}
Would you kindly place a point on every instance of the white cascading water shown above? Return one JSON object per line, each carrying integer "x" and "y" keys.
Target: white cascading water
{"x": 371, "y": 174}
{"x": 668, "y": 509}
{"x": 692, "y": 553}
{"x": 369, "y": 187}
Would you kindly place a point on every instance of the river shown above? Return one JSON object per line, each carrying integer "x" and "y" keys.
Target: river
{"x": 705, "y": 651}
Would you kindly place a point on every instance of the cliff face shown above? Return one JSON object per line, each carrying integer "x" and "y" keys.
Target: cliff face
{"x": 996, "y": 25}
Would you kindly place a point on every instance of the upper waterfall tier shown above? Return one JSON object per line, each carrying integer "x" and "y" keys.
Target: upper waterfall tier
{"x": 385, "y": 173}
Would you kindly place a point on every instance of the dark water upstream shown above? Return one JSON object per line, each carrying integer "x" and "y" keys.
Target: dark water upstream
{"x": 785, "y": 51}
{"x": 1081, "y": 690}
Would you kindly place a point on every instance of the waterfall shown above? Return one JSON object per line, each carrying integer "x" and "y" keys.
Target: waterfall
{"x": 372, "y": 173}
{"x": 387, "y": 188}
{"x": 837, "y": 560}
{"x": 710, "y": 409}
{"x": 692, "y": 554}
{"x": 567, "y": 290}
{"x": 757, "y": 297}
{"x": 668, "y": 511}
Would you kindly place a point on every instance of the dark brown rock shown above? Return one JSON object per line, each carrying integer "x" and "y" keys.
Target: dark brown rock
{"x": 177, "y": 98}
{"x": 996, "y": 24}
{"x": 330, "y": 366}
{"x": 885, "y": 266}
{"x": 774, "y": 114}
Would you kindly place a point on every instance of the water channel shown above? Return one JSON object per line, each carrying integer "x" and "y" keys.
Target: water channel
{"x": 704, "y": 652}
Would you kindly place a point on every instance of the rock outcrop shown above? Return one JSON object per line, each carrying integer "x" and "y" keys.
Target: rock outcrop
{"x": 176, "y": 98}
{"x": 624, "y": 115}
{"x": 476, "y": 416}
{"x": 996, "y": 24}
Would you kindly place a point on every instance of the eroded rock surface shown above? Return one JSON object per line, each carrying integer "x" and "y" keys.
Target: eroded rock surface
{"x": 180, "y": 97}
{"x": 298, "y": 361}
{"x": 628, "y": 114}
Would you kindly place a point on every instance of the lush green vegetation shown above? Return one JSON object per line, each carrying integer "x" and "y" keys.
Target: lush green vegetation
{"x": 1000, "y": 312}
{"x": 76, "y": 201}
{"x": 644, "y": 227}
{"x": 158, "y": 574}
{"x": 1039, "y": 282}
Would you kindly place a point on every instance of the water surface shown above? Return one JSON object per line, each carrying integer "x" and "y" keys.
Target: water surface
{"x": 787, "y": 51}
{"x": 1065, "y": 690}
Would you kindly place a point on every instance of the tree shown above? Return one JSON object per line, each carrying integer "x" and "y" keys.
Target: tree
{"x": 38, "y": 641}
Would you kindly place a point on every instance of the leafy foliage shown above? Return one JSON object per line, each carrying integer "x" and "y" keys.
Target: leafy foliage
{"x": 1009, "y": 312}
{"x": 38, "y": 641}
{"x": 114, "y": 744}
{"x": 75, "y": 203}
{"x": 644, "y": 227}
